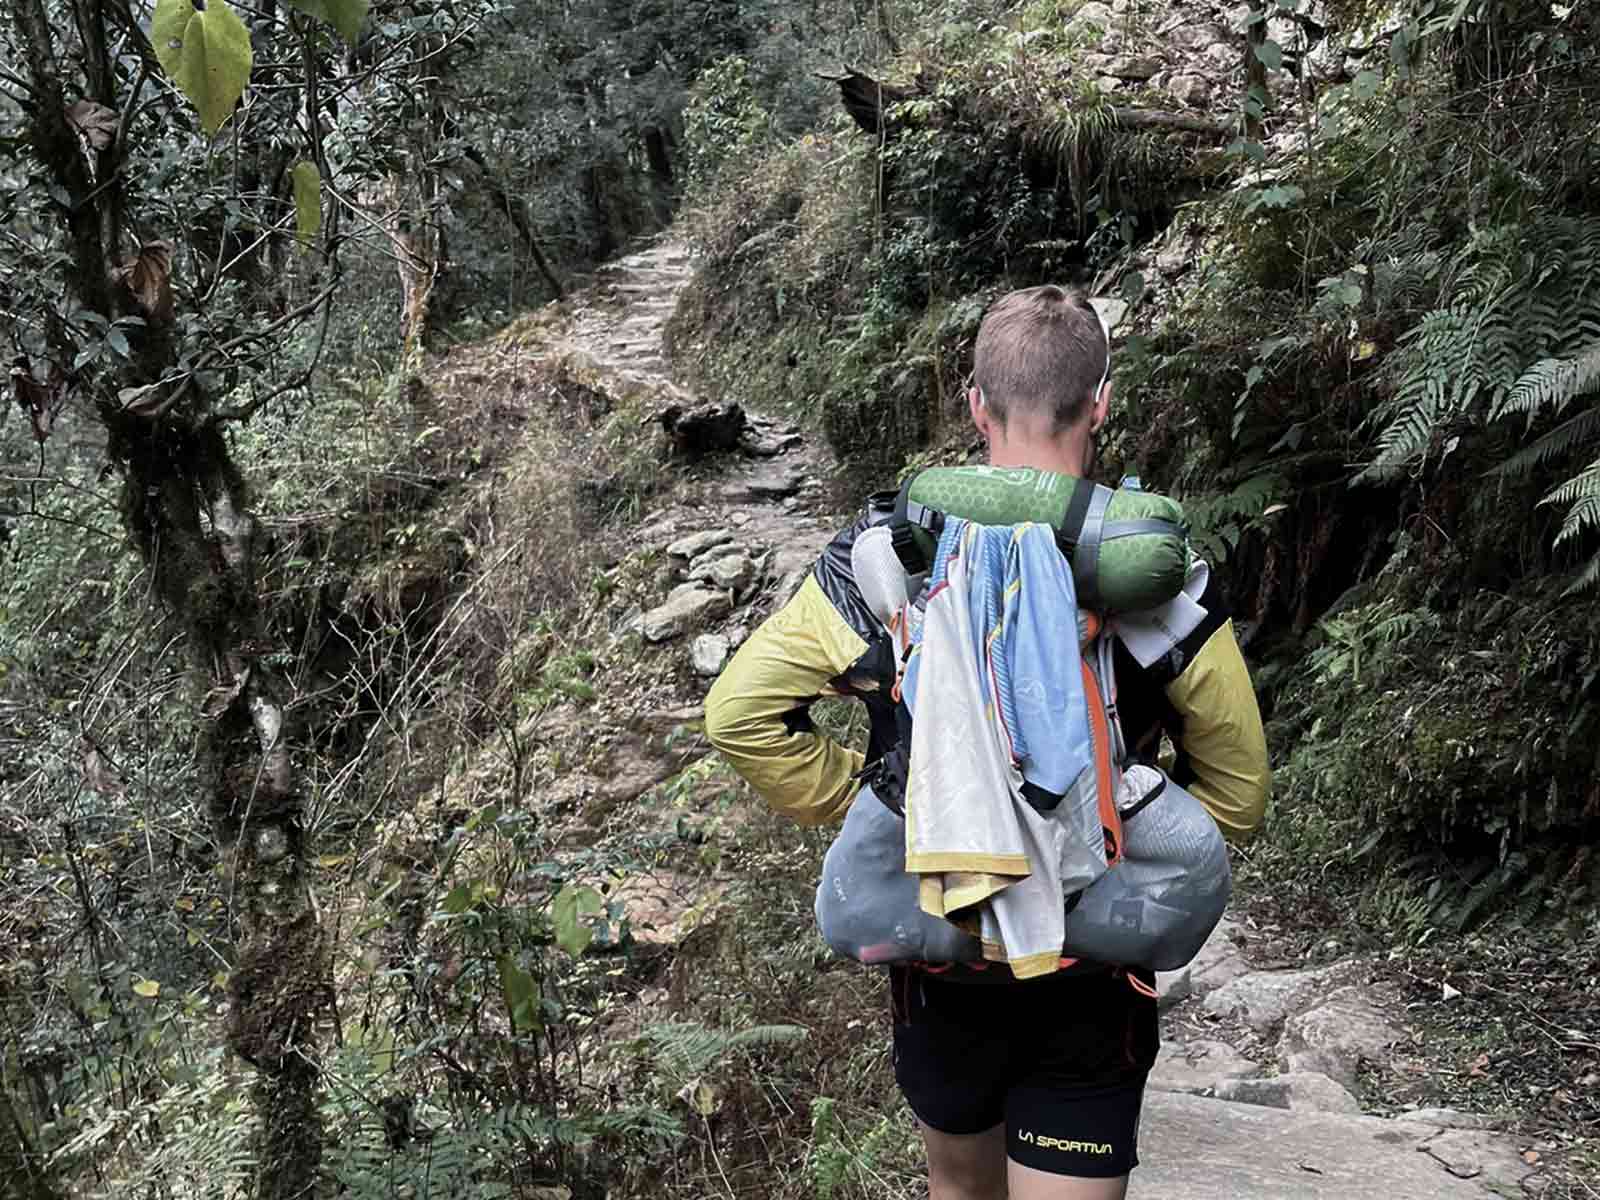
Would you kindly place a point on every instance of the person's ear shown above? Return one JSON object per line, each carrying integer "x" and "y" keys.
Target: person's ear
{"x": 1101, "y": 408}
{"x": 980, "y": 412}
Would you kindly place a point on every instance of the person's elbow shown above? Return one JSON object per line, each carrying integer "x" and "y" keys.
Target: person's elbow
{"x": 1250, "y": 804}
{"x": 726, "y": 726}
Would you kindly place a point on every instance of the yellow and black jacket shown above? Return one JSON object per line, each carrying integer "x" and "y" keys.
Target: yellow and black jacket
{"x": 825, "y": 641}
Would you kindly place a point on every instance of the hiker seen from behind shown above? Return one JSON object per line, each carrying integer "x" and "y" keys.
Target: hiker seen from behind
{"x": 1062, "y": 733}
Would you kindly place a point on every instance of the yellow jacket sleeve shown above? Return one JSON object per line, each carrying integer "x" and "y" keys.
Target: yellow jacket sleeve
{"x": 786, "y": 663}
{"x": 1222, "y": 735}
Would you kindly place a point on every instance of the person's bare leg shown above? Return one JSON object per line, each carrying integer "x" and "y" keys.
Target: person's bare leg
{"x": 1028, "y": 1184}
{"x": 966, "y": 1166}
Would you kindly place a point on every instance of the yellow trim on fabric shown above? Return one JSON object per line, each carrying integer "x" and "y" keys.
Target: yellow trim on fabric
{"x": 1031, "y": 966}
{"x": 929, "y": 862}
{"x": 963, "y": 891}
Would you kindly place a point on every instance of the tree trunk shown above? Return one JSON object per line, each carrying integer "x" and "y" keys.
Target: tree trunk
{"x": 1255, "y": 74}
{"x": 517, "y": 217}
{"x": 185, "y": 506}
{"x": 418, "y": 243}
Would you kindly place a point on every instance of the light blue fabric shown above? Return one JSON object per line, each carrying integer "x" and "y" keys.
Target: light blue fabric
{"x": 1032, "y": 669}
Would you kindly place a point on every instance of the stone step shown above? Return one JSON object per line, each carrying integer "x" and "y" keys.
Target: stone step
{"x": 648, "y": 365}
{"x": 644, "y": 275}
{"x": 1204, "y": 1149}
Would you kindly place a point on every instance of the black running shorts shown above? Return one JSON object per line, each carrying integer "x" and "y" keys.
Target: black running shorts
{"x": 1061, "y": 1061}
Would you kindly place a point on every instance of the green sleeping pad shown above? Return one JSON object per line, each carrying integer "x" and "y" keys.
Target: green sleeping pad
{"x": 1129, "y": 549}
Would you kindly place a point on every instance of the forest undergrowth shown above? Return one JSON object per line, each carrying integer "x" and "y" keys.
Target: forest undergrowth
{"x": 565, "y": 952}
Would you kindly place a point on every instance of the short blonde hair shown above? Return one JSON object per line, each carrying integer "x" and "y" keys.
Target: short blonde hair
{"x": 1040, "y": 349}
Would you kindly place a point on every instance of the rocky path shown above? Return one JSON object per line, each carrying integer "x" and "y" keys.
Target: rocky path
{"x": 754, "y": 525}
{"x": 1255, "y": 1093}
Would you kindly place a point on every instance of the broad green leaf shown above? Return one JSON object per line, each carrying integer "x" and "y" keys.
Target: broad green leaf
{"x": 205, "y": 49}
{"x": 521, "y": 994}
{"x": 148, "y": 988}
{"x": 1270, "y": 55}
{"x": 1400, "y": 52}
{"x": 1365, "y": 85}
{"x": 458, "y": 900}
{"x": 566, "y": 910}
{"x": 344, "y": 15}
{"x": 307, "y": 201}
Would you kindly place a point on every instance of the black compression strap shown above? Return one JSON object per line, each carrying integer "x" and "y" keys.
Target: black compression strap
{"x": 1072, "y": 520}
{"x": 908, "y": 517}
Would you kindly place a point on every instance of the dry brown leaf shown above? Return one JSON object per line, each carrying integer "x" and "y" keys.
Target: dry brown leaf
{"x": 148, "y": 276}
{"x": 96, "y": 124}
{"x": 41, "y": 401}
{"x": 1479, "y": 1067}
{"x": 219, "y": 699}
{"x": 1530, "y": 1157}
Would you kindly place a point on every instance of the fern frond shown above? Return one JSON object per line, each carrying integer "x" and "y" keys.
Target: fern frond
{"x": 685, "y": 1050}
{"x": 1572, "y": 434}
{"x": 1514, "y": 333}
{"x": 1582, "y": 487}
{"x": 1552, "y": 383}
{"x": 1587, "y": 579}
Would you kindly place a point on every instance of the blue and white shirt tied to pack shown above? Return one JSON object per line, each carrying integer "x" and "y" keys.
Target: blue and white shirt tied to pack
{"x": 995, "y": 688}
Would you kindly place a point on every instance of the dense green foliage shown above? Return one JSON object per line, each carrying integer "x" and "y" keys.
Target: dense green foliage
{"x": 1372, "y": 381}
{"x": 1362, "y": 342}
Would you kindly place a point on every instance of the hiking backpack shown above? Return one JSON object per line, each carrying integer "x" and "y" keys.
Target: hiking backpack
{"x": 1151, "y": 901}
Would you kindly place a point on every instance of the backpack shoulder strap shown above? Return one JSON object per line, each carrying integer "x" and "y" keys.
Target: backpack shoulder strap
{"x": 908, "y": 520}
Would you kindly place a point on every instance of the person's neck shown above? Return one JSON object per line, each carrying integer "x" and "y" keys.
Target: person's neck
{"x": 1066, "y": 453}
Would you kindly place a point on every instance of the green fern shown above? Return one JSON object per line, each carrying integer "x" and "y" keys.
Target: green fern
{"x": 1514, "y": 300}
{"x": 1551, "y": 384}
{"x": 205, "y": 1147}
{"x": 683, "y": 1051}
{"x": 1217, "y": 521}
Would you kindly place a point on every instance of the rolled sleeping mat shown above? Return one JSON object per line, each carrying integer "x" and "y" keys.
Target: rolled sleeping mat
{"x": 1129, "y": 549}
{"x": 1158, "y": 905}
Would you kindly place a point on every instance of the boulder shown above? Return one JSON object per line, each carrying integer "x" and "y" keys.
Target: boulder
{"x": 1220, "y": 960}
{"x": 770, "y": 484}
{"x": 685, "y": 608}
{"x": 1335, "y": 1035}
{"x": 1262, "y": 999}
{"x": 1190, "y": 89}
{"x": 725, "y": 568}
{"x": 693, "y": 545}
{"x": 1299, "y": 1090}
{"x": 1138, "y": 67}
{"x": 708, "y": 653}
{"x": 1447, "y": 1118}
{"x": 1112, "y": 311}
{"x": 703, "y": 428}
{"x": 1196, "y": 38}
{"x": 1198, "y": 1066}
{"x": 1173, "y": 258}
{"x": 1092, "y": 15}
